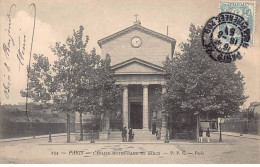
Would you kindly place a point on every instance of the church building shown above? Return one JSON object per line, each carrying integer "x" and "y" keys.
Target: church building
{"x": 137, "y": 55}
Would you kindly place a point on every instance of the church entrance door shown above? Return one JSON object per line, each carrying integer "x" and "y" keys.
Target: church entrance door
{"x": 136, "y": 115}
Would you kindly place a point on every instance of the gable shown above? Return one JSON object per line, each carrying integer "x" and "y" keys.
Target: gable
{"x": 139, "y": 28}
{"x": 154, "y": 48}
{"x": 137, "y": 66}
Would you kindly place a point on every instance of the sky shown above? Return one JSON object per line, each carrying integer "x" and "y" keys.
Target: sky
{"x": 56, "y": 19}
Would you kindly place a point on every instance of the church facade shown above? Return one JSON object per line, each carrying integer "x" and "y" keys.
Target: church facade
{"x": 137, "y": 54}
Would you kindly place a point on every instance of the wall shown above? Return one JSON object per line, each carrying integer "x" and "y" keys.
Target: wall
{"x": 153, "y": 49}
{"x": 252, "y": 127}
{"x": 23, "y": 129}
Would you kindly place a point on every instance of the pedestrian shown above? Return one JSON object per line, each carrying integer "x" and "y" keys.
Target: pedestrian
{"x": 154, "y": 128}
{"x": 167, "y": 136}
{"x": 124, "y": 132}
{"x": 130, "y": 133}
{"x": 208, "y": 135}
{"x": 200, "y": 135}
{"x": 158, "y": 134}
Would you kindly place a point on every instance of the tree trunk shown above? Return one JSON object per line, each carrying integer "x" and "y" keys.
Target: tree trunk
{"x": 81, "y": 127}
{"x": 68, "y": 128}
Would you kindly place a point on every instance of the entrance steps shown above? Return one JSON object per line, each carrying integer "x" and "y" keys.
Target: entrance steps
{"x": 145, "y": 135}
{"x": 115, "y": 135}
{"x": 139, "y": 135}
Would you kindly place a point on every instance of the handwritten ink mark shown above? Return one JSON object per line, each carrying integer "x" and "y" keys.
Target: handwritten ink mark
{"x": 29, "y": 66}
{"x": 20, "y": 55}
{"x": 7, "y": 50}
{"x": 7, "y": 67}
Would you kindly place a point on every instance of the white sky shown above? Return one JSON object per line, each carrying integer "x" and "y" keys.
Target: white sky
{"x": 56, "y": 19}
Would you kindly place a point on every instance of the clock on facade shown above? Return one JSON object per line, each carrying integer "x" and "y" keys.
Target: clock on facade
{"x": 136, "y": 42}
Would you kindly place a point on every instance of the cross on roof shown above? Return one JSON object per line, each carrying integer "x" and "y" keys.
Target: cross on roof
{"x": 136, "y": 15}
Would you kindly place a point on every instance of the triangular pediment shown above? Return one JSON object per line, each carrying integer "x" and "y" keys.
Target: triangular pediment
{"x": 137, "y": 66}
{"x": 139, "y": 28}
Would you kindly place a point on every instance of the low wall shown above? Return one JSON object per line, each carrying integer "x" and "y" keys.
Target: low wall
{"x": 251, "y": 127}
{"x": 23, "y": 129}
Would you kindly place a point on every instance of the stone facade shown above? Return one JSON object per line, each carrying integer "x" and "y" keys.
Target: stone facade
{"x": 138, "y": 68}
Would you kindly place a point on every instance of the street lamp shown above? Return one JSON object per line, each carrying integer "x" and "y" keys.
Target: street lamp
{"x": 197, "y": 134}
{"x": 167, "y": 131}
{"x": 92, "y": 136}
{"x": 220, "y": 131}
{"x": 241, "y": 128}
{"x": 92, "y": 133}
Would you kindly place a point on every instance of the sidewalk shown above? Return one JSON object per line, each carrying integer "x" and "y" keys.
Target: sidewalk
{"x": 214, "y": 141}
{"x": 172, "y": 141}
{"x": 248, "y": 136}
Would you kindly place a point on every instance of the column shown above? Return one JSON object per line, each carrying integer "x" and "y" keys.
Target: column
{"x": 145, "y": 107}
{"x": 125, "y": 107}
{"x": 164, "y": 122}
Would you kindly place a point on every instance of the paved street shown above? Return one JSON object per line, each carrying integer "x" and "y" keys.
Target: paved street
{"x": 231, "y": 150}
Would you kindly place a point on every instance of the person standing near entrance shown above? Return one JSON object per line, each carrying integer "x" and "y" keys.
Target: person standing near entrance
{"x": 124, "y": 133}
{"x": 208, "y": 135}
{"x": 153, "y": 128}
{"x": 130, "y": 135}
{"x": 158, "y": 134}
{"x": 200, "y": 135}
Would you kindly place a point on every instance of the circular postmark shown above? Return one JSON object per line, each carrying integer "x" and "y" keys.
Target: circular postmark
{"x": 224, "y": 35}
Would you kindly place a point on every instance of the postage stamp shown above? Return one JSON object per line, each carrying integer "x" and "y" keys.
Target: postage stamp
{"x": 246, "y": 9}
{"x": 224, "y": 35}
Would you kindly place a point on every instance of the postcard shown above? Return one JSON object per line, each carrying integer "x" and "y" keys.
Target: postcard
{"x": 129, "y": 82}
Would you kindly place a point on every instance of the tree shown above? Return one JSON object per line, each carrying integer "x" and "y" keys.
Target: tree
{"x": 86, "y": 80}
{"x": 96, "y": 91}
{"x": 77, "y": 82}
{"x": 196, "y": 83}
{"x": 69, "y": 71}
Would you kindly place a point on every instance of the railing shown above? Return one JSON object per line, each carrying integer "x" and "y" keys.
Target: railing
{"x": 182, "y": 130}
{"x": 116, "y": 124}
{"x": 251, "y": 127}
{"x": 23, "y": 129}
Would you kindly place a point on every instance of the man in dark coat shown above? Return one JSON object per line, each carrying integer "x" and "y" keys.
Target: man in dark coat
{"x": 158, "y": 134}
{"x": 130, "y": 135}
{"x": 200, "y": 135}
{"x": 208, "y": 135}
{"x": 154, "y": 128}
{"x": 124, "y": 132}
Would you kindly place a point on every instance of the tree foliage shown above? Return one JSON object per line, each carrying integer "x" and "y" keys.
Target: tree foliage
{"x": 196, "y": 83}
{"x": 77, "y": 81}
{"x": 40, "y": 86}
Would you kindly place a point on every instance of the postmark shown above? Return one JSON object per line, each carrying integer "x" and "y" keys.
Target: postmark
{"x": 224, "y": 35}
{"x": 246, "y": 9}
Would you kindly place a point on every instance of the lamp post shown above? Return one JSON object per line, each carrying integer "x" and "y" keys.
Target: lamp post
{"x": 241, "y": 128}
{"x": 50, "y": 137}
{"x": 92, "y": 136}
{"x": 167, "y": 131}
{"x": 220, "y": 131}
{"x": 197, "y": 131}
{"x": 92, "y": 133}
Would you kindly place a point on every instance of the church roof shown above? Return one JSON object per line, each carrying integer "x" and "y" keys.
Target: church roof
{"x": 136, "y": 27}
{"x": 140, "y": 61}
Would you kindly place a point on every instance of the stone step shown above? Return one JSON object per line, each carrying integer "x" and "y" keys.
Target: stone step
{"x": 139, "y": 135}
{"x": 115, "y": 135}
